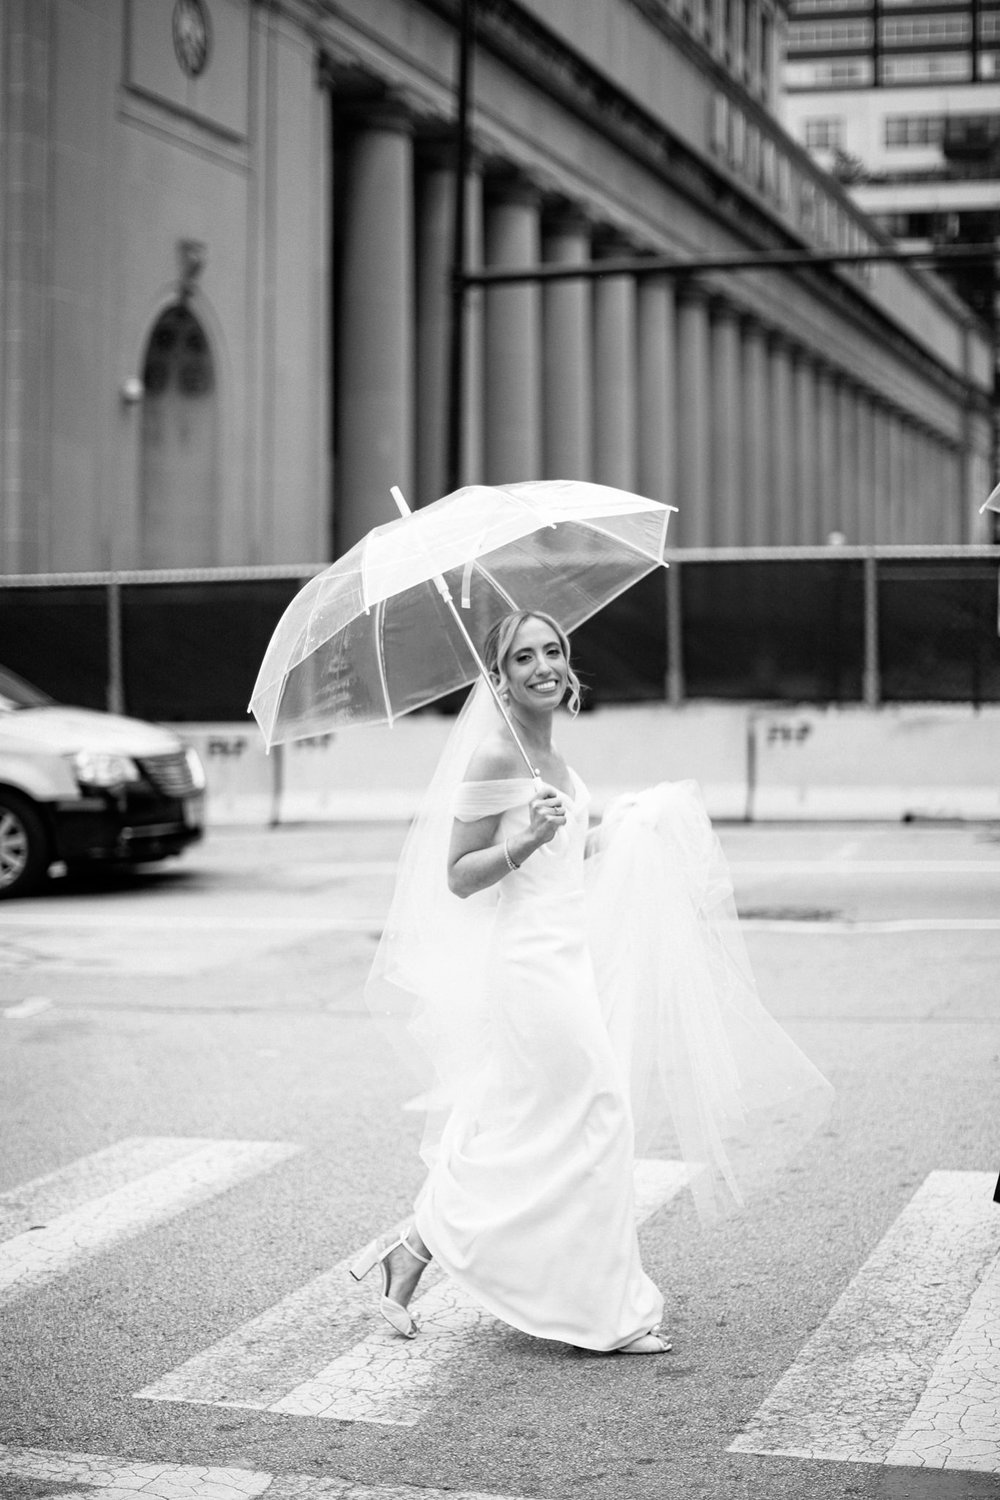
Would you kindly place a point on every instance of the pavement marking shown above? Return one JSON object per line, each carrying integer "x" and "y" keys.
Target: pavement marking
{"x": 96, "y": 1474}
{"x": 956, "y": 1422}
{"x": 281, "y": 1360}
{"x": 388, "y": 1380}
{"x": 70, "y": 1216}
{"x": 891, "y": 925}
{"x": 122, "y": 920}
{"x": 855, "y": 867}
{"x": 896, "y": 1372}
{"x": 263, "y": 1359}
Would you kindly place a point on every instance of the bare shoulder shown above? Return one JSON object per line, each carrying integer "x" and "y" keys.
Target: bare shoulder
{"x": 495, "y": 759}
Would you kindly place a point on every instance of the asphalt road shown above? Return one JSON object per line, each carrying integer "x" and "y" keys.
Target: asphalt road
{"x": 218, "y": 1001}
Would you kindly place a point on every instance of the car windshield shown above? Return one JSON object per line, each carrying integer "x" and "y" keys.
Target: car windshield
{"x": 16, "y": 693}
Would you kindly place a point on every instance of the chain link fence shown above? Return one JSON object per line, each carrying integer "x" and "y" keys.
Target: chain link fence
{"x": 800, "y": 625}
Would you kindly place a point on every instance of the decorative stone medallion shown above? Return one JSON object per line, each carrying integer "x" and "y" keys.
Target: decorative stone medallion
{"x": 192, "y": 36}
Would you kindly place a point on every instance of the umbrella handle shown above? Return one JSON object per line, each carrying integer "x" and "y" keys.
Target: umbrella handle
{"x": 442, "y": 587}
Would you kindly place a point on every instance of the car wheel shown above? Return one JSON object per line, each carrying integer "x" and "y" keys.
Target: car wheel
{"x": 24, "y": 846}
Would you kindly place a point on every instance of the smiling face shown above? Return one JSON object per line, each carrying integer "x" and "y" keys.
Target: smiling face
{"x": 536, "y": 667}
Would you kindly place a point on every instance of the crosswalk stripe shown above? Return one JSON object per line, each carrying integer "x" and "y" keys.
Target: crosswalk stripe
{"x": 893, "y": 925}
{"x": 388, "y": 1380}
{"x": 852, "y": 868}
{"x": 259, "y": 1362}
{"x": 956, "y": 1422}
{"x": 98, "y": 1475}
{"x": 71, "y": 1215}
{"x": 271, "y": 1362}
{"x": 888, "y": 1374}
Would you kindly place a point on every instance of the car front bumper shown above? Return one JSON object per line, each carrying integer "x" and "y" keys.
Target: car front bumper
{"x": 97, "y": 828}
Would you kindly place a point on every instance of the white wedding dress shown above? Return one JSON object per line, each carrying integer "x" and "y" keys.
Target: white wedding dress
{"x": 529, "y": 1201}
{"x": 570, "y": 1014}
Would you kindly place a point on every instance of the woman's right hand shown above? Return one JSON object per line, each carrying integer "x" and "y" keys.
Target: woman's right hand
{"x": 547, "y": 813}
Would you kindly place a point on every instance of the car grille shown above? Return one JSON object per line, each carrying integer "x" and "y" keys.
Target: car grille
{"x": 169, "y": 774}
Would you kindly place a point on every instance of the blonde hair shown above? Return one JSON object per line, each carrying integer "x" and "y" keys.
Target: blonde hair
{"x": 498, "y": 642}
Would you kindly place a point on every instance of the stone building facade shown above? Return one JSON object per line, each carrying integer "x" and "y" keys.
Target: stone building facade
{"x": 226, "y": 248}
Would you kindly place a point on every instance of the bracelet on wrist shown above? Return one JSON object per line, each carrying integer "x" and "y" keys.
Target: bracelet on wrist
{"x": 512, "y": 863}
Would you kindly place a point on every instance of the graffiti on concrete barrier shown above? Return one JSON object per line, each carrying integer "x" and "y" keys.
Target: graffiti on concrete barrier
{"x": 788, "y": 734}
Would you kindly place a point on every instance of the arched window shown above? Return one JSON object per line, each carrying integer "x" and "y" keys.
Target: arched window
{"x": 179, "y": 463}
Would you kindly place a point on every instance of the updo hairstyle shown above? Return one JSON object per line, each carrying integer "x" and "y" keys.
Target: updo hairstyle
{"x": 497, "y": 644}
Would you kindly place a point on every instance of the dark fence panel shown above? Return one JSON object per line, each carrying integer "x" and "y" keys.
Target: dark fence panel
{"x": 191, "y": 650}
{"x": 620, "y": 655}
{"x": 938, "y": 630}
{"x": 57, "y": 638}
{"x": 778, "y": 630}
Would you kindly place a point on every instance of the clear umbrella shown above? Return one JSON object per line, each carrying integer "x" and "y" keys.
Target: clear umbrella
{"x": 395, "y": 623}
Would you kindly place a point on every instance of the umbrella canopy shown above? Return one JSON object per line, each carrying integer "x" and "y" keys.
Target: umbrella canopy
{"x": 390, "y": 626}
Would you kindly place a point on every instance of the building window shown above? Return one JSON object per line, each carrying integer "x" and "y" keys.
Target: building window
{"x": 920, "y": 30}
{"x": 824, "y": 132}
{"x": 920, "y": 67}
{"x": 989, "y": 26}
{"x": 843, "y": 73}
{"x": 931, "y": 130}
{"x": 989, "y": 64}
{"x": 914, "y": 130}
{"x": 766, "y": 33}
{"x": 806, "y": 7}
{"x": 820, "y": 36}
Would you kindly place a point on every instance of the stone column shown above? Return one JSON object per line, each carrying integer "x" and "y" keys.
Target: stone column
{"x": 827, "y": 416}
{"x": 435, "y": 217}
{"x": 657, "y": 395}
{"x": 900, "y": 512}
{"x": 907, "y": 500}
{"x": 472, "y": 463}
{"x": 435, "y": 227}
{"x": 882, "y": 469}
{"x": 867, "y": 487}
{"x": 756, "y": 479}
{"x": 376, "y": 396}
{"x": 725, "y": 424}
{"x": 846, "y": 494}
{"x": 922, "y": 459}
{"x": 941, "y": 528}
{"x": 694, "y": 397}
{"x": 806, "y": 503}
{"x": 782, "y": 447}
{"x": 25, "y": 69}
{"x": 512, "y": 437}
{"x": 615, "y": 370}
{"x": 567, "y": 353}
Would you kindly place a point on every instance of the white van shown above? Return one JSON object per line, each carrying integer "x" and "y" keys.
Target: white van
{"x": 78, "y": 786}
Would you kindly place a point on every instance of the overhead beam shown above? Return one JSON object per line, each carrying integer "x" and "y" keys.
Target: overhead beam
{"x": 763, "y": 260}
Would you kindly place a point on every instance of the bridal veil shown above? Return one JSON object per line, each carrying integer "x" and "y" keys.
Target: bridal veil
{"x": 713, "y": 1079}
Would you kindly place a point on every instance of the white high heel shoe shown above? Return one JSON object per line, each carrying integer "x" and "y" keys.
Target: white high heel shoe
{"x": 376, "y": 1254}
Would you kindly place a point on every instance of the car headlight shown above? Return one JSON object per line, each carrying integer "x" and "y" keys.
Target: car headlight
{"x": 196, "y": 768}
{"x": 94, "y": 768}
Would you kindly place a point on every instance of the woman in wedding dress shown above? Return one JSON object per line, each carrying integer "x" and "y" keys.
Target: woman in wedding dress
{"x": 537, "y": 1008}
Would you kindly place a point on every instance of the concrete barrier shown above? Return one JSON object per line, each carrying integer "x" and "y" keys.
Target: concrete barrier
{"x": 753, "y": 762}
{"x": 909, "y": 761}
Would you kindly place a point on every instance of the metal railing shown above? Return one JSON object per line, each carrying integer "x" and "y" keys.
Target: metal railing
{"x": 830, "y": 625}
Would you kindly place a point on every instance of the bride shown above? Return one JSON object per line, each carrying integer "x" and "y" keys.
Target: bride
{"x": 558, "y": 1012}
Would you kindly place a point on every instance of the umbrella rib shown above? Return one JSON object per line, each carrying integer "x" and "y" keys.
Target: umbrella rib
{"x": 621, "y": 541}
{"x": 380, "y": 658}
{"x": 485, "y": 572}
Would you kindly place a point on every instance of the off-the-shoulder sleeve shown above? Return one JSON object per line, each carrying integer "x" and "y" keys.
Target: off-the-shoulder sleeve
{"x": 484, "y": 799}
